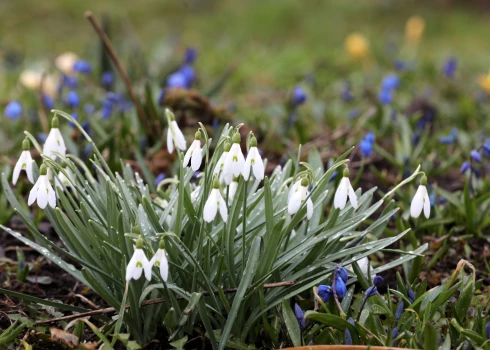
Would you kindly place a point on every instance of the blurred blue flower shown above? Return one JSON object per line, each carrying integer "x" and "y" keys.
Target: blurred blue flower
{"x": 347, "y": 94}
{"x": 394, "y": 333}
{"x": 377, "y": 280}
{"x": 399, "y": 65}
{"x": 353, "y": 113}
{"x": 72, "y": 99}
{"x": 48, "y": 102}
{"x": 366, "y": 148}
{"x": 300, "y": 315}
{"x": 107, "y": 79}
{"x": 370, "y": 292}
{"x": 86, "y": 127}
{"x": 342, "y": 273}
{"x": 390, "y": 82}
{"x": 13, "y": 110}
{"x": 299, "y": 96}
{"x": 87, "y": 151}
{"x": 450, "y": 67}
{"x": 89, "y": 109}
{"x": 340, "y": 287}
{"x": 159, "y": 178}
{"x": 106, "y": 110}
{"x": 399, "y": 310}
{"x": 189, "y": 73}
{"x": 347, "y": 337}
{"x": 190, "y": 55}
{"x": 82, "y": 66}
{"x": 41, "y": 137}
{"x": 410, "y": 294}
{"x": 385, "y": 96}
{"x": 71, "y": 124}
{"x": 487, "y": 330}
{"x": 370, "y": 137}
{"x": 486, "y": 147}
{"x": 324, "y": 292}
{"x": 177, "y": 80}
{"x": 432, "y": 199}
{"x": 451, "y": 138}
{"x": 476, "y": 156}
{"x": 70, "y": 81}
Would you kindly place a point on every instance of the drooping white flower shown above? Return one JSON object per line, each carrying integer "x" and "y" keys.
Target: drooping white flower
{"x": 345, "y": 191}
{"x": 215, "y": 201}
{"x": 218, "y": 169}
{"x": 138, "y": 263}
{"x": 194, "y": 153}
{"x": 24, "y": 163}
{"x": 175, "y": 137}
{"x": 42, "y": 191}
{"x": 234, "y": 162}
{"x": 254, "y": 161}
{"x": 364, "y": 266}
{"x": 160, "y": 260}
{"x": 54, "y": 142}
{"x": 65, "y": 180}
{"x": 232, "y": 190}
{"x": 421, "y": 200}
{"x": 298, "y": 197}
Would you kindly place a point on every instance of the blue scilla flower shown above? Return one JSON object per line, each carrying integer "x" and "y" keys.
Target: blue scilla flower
{"x": 189, "y": 73}
{"x": 177, "y": 80}
{"x": 385, "y": 96}
{"x": 451, "y": 138}
{"x": 86, "y": 127}
{"x": 377, "y": 280}
{"x": 82, "y": 66}
{"x": 353, "y": 113}
{"x": 41, "y": 137}
{"x": 334, "y": 176}
{"x": 487, "y": 330}
{"x": 299, "y": 96}
{"x": 370, "y": 137}
{"x": 324, "y": 292}
{"x": 107, "y": 108}
{"x": 476, "y": 156}
{"x": 71, "y": 124}
{"x": 399, "y": 310}
{"x": 394, "y": 333}
{"x": 72, "y": 99}
{"x": 340, "y": 287}
{"x": 160, "y": 177}
{"x": 450, "y": 67}
{"x": 342, "y": 273}
{"x": 486, "y": 147}
{"x": 399, "y": 65}
{"x": 13, "y": 110}
{"x": 89, "y": 109}
{"x": 190, "y": 55}
{"x": 300, "y": 315}
{"x": 48, "y": 102}
{"x": 370, "y": 292}
{"x": 410, "y": 294}
{"x": 347, "y": 337}
{"x": 347, "y": 95}
{"x": 107, "y": 79}
{"x": 366, "y": 148}
{"x": 390, "y": 82}
{"x": 87, "y": 151}
{"x": 70, "y": 81}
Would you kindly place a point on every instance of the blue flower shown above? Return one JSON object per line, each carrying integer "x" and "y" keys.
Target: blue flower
{"x": 399, "y": 310}
{"x": 106, "y": 110}
{"x": 82, "y": 66}
{"x": 159, "y": 178}
{"x": 487, "y": 330}
{"x": 385, "y": 96}
{"x": 410, "y": 294}
{"x": 107, "y": 79}
{"x": 48, "y": 102}
{"x": 370, "y": 137}
{"x": 366, "y": 148}
{"x": 190, "y": 55}
{"x": 451, "y": 138}
{"x": 476, "y": 156}
{"x": 390, "y": 82}
{"x": 300, "y": 315}
{"x": 72, "y": 99}
{"x": 89, "y": 109}
{"x": 340, "y": 288}
{"x": 347, "y": 95}
{"x": 370, "y": 292}
{"x": 324, "y": 292}
{"x": 71, "y": 124}
{"x": 189, "y": 74}
{"x": 41, "y": 137}
{"x": 70, "y": 81}
{"x": 399, "y": 65}
{"x": 177, "y": 80}
{"x": 450, "y": 67}
{"x": 13, "y": 110}
{"x": 353, "y": 113}
{"x": 347, "y": 337}
{"x": 377, "y": 280}
{"x": 86, "y": 127}
{"x": 299, "y": 96}
{"x": 342, "y": 273}
{"x": 87, "y": 151}
{"x": 394, "y": 333}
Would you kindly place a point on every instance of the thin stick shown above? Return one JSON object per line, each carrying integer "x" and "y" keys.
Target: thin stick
{"x": 158, "y": 301}
{"x": 120, "y": 69}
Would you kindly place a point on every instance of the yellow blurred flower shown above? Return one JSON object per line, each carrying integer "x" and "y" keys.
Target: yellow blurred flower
{"x": 65, "y": 62}
{"x": 414, "y": 29}
{"x": 357, "y": 46}
{"x": 484, "y": 82}
{"x": 31, "y": 79}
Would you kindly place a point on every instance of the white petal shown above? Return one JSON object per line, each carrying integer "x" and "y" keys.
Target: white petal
{"x": 293, "y": 189}
{"x": 294, "y": 203}
{"x": 147, "y": 269}
{"x": 178, "y": 136}
{"x": 228, "y": 168}
{"x": 309, "y": 209}
{"x": 223, "y": 210}
{"x": 232, "y": 192}
{"x": 221, "y": 161}
{"x": 258, "y": 167}
{"x": 42, "y": 194}
{"x": 426, "y": 205}
{"x": 170, "y": 143}
{"x": 248, "y": 164}
{"x": 164, "y": 267}
{"x": 137, "y": 272}
{"x": 352, "y": 195}
{"x": 51, "y": 195}
{"x": 130, "y": 268}
{"x": 417, "y": 202}
{"x": 33, "y": 194}
{"x": 18, "y": 167}
{"x": 211, "y": 206}
{"x": 60, "y": 143}
{"x": 187, "y": 156}
{"x": 196, "y": 158}
{"x": 29, "y": 173}
{"x": 340, "y": 198}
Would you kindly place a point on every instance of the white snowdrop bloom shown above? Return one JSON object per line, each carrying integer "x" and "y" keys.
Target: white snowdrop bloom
{"x": 195, "y": 194}
{"x": 194, "y": 153}
{"x": 65, "y": 180}
{"x": 297, "y": 199}
{"x": 42, "y": 191}
{"x": 215, "y": 201}
{"x": 66, "y": 62}
{"x": 254, "y": 161}
{"x": 160, "y": 260}
{"x": 294, "y": 188}
{"x": 234, "y": 162}
{"x": 232, "y": 190}
{"x": 54, "y": 142}
{"x": 138, "y": 263}
{"x": 364, "y": 265}
{"x": 175, "y": 137}
{"x": 345, "y": 191}
{"x": 421, "y": 200}
{"x": 24, "y": 163}
{"x": 218, "y": 169}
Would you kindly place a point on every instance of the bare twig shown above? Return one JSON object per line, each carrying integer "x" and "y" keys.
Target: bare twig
{"x": 158, "y": 301}
{"x": 121, "y": 71}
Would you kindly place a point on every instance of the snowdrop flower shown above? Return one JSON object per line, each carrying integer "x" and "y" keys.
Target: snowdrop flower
{"x": 24, "y": 163}
{"x": 174, "y": 134}
{"x": 195, "y": 194}
{"x": 65, "y": 180}
{"x": 160, "y": 260}
{"x": 298, "y": 197}
{"x": 218, "y": 169}
{"x": 54, "y": 142}
{"x": 232, "y": 191}
{"x": 42, "y": 190}
{"x": 138, "y": 263}
{"x": 421, "y": 200}
{"x": 235, "y": 162}
{"x": 254, "y": 160}
{"x": 343, "y": 191}
{"x": 364, "y": 266}
{"x": 215, "y": 201}
{"x": 66, "y": 62}
{"x": 194, "y": 153}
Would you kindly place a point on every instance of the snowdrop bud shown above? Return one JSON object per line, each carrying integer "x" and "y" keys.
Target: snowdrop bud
{"x": 254, "y": 161}
{"x": 234, "y": 163}
{"x": 194, "y": 153}
{"x": 198, "y": 135}
{"x": 227, "y": 146}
